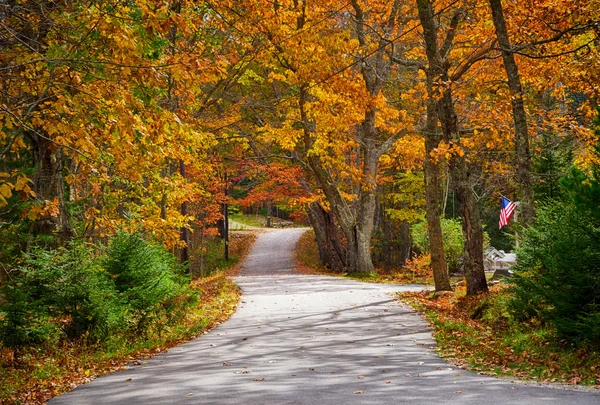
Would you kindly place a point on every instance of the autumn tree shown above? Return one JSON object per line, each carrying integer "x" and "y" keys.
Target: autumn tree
{"x": 338, "y": 122}
{"x": 438, "y": 71}
{"x": 109, "y": 100}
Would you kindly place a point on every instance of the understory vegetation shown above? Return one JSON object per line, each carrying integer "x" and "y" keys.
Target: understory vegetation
{"x": 73, "y": 313}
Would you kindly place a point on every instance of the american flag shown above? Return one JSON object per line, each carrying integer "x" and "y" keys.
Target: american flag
{"x": 507, "y": 208}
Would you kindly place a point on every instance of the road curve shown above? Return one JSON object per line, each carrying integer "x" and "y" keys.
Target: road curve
{"x": 310, "y": 340}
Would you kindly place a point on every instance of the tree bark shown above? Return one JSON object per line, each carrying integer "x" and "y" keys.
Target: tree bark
{"x": 471, "y": 221}
{"x": 523, "y": 155}
{"x": 331, "y": 251}
{"x": 48, "y": 184}
{"x": 432, "y": 198}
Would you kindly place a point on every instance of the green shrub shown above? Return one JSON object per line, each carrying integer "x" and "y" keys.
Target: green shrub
{"x": 452, "y": 237}
{"x": 59, "y": 292}
{"x": 133, "y": 288}
{"x": 557, "y": 277}
{"x": 148, "y": 278}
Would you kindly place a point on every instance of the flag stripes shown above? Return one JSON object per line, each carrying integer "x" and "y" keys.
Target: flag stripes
{"x": 507, "y": 208}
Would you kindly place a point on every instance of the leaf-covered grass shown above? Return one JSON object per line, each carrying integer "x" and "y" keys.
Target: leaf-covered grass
{"x": 480, "y": 334}
{"x": 32, "y": 375}
{"x": 257, "y": 221}
{"x": 308, "y": 262}
{"x": 249, "y": 220}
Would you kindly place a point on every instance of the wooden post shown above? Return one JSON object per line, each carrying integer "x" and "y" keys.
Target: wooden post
{"x": 226, "y": 222}
{"x": 185, "y": 233}
{"x": 518, "y": 203}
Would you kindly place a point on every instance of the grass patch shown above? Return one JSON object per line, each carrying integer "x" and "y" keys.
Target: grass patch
{"x": 478, "y": 333}
{"x": 249, "y": 220}
{"x": 257, "y": 221}
{"x": 33, "y": 375}
{"x": 308, "y": 262}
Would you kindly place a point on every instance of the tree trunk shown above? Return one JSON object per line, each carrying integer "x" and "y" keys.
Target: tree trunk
{"x": 467, "y": 205}
{"x": 48, "y": 184}
{"x": 432, "y": 198}
{"x": 405, "y": 244}
{"x": 472, "y": 228}
{"x": 471, "y": 221}
{"x": 523, "y": 155}
{"x": 386, "y": 248}
{"x": 331, "y": 251}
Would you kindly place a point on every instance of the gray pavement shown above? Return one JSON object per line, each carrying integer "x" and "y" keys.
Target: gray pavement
{"x": 310, "y": 340}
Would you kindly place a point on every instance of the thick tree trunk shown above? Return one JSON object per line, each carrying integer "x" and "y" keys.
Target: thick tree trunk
{"x": 523, "y": 155}
{"x": 467, "y": 205}
{"x": 432, "y": 200}
{"x": 331, "y": 251}
{"x": 471, "y": 221}
{"x": 48, "y": 184}
{"x": 357, "y": 225}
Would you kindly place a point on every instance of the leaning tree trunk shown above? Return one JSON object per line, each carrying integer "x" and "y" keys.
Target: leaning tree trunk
{"x": 48, "y": 184}
{"x": 471, "y": 221}
{"x": 523, "y": 155}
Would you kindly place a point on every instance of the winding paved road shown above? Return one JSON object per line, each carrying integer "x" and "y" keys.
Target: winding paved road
{"x": 310, "y": 340}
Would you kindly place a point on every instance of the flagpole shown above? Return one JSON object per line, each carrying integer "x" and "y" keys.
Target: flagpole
{"x": 516, "y": 232}
{"x": 516, "y": 217}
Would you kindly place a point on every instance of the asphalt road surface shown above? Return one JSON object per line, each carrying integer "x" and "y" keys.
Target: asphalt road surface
{"x": 310, "y": 340}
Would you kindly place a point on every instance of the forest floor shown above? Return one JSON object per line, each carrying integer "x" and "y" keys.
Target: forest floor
{"x": 480, "y": 334}
{"x": 306, "y": 339}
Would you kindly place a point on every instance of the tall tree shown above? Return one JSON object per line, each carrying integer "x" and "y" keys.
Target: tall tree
{"x": 523, "y": 155}
{"x": 438, "y": 70}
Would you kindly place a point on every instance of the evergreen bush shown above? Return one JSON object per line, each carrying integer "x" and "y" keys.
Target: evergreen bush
{"x": 134, "y": 287}
{"x": 557, "y": 277}
{"x": 147, "y": 277}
